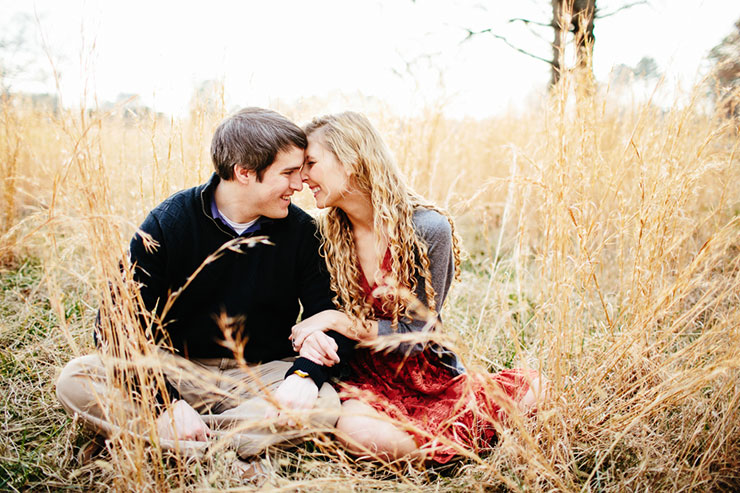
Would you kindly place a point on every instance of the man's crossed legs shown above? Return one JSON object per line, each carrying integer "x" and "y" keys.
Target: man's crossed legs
{"x": 230, "y": 399}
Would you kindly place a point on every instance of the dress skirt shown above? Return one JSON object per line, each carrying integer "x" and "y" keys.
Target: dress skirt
{"x": 444, "y": 412}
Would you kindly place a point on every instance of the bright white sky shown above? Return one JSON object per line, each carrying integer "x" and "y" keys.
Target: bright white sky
{"x": 291, "y": 49}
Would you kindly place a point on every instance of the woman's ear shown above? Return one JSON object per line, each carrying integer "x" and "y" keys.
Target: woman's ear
{"x": 352, "y": 181}
{"x": 347, "y": 171}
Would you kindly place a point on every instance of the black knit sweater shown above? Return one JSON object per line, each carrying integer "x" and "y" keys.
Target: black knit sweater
{"x": 258, "y": 287}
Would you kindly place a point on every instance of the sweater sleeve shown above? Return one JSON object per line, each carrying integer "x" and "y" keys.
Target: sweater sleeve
{"x": 149, "y": 267}
{"x": 436, "y": 232}
{"x": 320, "y": 373}
{"x": 149, "y": 264}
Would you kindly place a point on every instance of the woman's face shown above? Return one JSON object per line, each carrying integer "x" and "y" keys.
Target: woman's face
{"x": 324, "y": 174}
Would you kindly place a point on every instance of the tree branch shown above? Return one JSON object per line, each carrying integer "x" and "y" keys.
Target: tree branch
{"x": 527, "y": 21}
{"x": 623, "y": 7}
{"x": 502, "y": 38}
{"x": 411, "y": 64}
{"x": 530, "y": 23}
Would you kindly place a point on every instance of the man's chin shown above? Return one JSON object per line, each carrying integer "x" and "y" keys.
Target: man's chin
{"x": 278, "y": 213}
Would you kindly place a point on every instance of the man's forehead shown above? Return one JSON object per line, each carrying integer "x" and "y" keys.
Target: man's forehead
{"x": 291, "y": 158}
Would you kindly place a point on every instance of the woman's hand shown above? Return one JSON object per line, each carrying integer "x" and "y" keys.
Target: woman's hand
{"x": 321, "y": 322}
{"x": 320, "y": 348}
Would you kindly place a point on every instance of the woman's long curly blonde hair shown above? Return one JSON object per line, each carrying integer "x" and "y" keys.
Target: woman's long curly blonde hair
{"x": 361, "y": 150}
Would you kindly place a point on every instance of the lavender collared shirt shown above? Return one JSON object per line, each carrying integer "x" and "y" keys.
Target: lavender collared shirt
{"x": 252, "y": 229}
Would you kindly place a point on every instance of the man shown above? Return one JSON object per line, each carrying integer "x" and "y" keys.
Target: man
{"x": 221, "y": 282}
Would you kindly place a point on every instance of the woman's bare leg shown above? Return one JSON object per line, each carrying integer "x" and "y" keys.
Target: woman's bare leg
{"x": 364, "y": 431}
{"x": 537, "y": 391}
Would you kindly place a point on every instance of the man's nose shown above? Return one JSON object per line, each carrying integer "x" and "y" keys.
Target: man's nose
{"x": 304, "y": 174}
{"x": 296, "y": 182}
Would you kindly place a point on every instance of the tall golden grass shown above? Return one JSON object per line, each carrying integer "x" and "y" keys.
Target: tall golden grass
{"x": 604, "y": 250}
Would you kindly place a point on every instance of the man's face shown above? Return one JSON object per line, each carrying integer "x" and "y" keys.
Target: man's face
{"x": 271, "y": 196}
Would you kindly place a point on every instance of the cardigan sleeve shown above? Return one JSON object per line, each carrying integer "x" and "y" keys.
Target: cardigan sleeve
{"x": 435, "y": 231}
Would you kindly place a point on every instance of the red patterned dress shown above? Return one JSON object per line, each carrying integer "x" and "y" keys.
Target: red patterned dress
{"x": 446, "y": 413}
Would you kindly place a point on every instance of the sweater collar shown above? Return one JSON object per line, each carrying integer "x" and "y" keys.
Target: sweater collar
{"x": 208, "y": 206}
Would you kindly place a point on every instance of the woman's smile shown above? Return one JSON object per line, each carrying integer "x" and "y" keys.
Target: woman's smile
{"x": 323, "y": 173}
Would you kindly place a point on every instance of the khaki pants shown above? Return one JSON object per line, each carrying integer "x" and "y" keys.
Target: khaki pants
{"x": 230, "y": 399}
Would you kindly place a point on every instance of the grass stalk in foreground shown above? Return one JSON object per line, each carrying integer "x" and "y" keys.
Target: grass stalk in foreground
{"x": 603, "y": 251}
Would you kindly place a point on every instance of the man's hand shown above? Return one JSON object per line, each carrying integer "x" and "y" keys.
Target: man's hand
{"x": 182, "y": 422}
{"x": 320, "y": 348}
{"x": 295, "y": 393}
{"x": 321, "y": 322}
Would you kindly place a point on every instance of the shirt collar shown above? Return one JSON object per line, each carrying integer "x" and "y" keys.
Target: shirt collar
{"x": 258, "y": 225}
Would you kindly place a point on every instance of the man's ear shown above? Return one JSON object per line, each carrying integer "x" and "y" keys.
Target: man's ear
{"x": 244, "y": 175}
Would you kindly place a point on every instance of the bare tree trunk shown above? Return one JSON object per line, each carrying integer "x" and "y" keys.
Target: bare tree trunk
{"x": 576, "y": 16}
{"x": 558, "y": 41}
{"x": 584, "y": 12}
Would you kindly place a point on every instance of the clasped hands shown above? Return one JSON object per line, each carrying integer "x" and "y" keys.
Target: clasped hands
{"x": 310, "y": 340}
{"x": 298, "y": 393}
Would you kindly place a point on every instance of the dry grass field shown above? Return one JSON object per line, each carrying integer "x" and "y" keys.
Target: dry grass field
{"x": 603, "y": 249}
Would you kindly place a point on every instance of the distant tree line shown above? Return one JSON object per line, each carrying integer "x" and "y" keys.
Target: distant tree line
{"x": 726, "y": 61}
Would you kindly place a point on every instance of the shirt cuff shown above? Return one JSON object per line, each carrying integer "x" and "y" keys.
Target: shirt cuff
{"x": 317, "y": 372}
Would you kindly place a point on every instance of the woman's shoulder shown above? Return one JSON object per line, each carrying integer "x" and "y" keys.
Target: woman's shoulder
{"x": 431, "y": 225}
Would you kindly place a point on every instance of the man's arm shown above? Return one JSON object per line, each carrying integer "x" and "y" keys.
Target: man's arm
{"x": 148, "y": 250}
{"x": 319, "y": 372}
{"x": 148, "y": 254}
{"x": 148, "y": 257}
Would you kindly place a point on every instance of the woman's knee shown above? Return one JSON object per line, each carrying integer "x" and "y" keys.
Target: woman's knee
{"x": 362, "y": 430}
{"x": 535, "y": 394}
{"x": 355, "y": 430}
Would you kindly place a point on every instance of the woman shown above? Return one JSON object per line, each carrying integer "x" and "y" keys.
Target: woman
{"x": 382, "y": 242}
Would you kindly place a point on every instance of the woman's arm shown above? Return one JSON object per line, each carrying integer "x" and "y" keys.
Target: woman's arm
{"x": 435, "y": 230}
{"x": 332, "y": 320}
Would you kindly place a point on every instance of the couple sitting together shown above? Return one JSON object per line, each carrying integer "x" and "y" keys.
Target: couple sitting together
{"x": 354, "y": 274}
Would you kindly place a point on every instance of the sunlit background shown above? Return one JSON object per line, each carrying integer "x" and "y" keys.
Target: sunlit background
{"x": 407, "y": 54}
{"x": 601, "y": 221}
